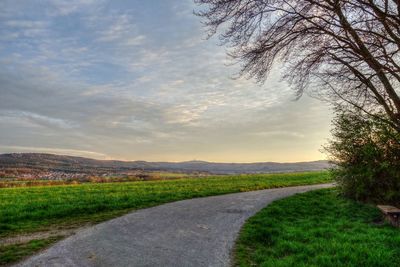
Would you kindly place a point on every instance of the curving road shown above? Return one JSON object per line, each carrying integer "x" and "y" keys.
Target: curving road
{"x": 194, "y": 232}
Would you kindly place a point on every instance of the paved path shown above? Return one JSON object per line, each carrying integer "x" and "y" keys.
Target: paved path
{"x": 194, "y": 232}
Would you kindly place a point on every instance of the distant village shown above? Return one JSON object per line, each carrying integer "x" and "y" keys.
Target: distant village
{"x": 34, "y": 174}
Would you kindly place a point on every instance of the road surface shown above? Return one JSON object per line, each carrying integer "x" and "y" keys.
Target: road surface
{"x": 194, "y": 232}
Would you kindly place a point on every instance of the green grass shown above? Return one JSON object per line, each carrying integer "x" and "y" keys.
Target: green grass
{"x": 30, "y": 209}
{"x": 317, "y": 228}
{"x": 12, "y": 253}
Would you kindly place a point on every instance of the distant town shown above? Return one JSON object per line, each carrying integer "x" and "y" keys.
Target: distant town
{"x": 41, "y": 169}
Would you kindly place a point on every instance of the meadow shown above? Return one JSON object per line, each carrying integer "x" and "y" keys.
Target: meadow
{"x": 318, "y": 228}
{"x": 26, "y": 210}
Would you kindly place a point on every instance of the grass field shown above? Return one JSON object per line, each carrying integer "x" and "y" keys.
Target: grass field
{"x": 33, "y": 209}
{"x": 318, "y": 228}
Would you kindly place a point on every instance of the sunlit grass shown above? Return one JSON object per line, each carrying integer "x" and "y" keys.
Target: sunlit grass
{"x": 31, "y": 209}
{"x": 318, "y": 228}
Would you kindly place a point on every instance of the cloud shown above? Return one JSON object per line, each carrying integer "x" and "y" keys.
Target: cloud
{"x": 185, "y": 114}
{"x": 26, "y": 24}
{"x": 105, "y": 77}
{"x": 67, "y": 7}
{"x": 146, "y": 58}
{"x": 34, "y": 118}
{"x": 134, "y": 41}
{"x": 279, "y": 134}
{"x": 122, "y": 29}
{"x": 14, "y": 29}
{"x": 61, "y": 151}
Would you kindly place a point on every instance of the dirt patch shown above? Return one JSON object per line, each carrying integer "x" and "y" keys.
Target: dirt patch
{"x": 24, "y": 238}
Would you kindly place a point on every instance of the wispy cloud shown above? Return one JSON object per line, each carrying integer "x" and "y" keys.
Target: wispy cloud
{"x": 61, "y": 151}
{"x": 106, "y": 79}
{"x": 67, "y": 7}
{"x": 34, "y": 118}
{"x": 282, "y": 134}
{"x": 27, "y": 24}
{"x": 121, "y": 30}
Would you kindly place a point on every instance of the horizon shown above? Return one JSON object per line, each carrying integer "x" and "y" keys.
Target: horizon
{"x": 138, "y": 160}
{"x": 102, "y": 79}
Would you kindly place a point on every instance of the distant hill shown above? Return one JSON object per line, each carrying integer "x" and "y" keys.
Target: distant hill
{"x": 51, "y": 162}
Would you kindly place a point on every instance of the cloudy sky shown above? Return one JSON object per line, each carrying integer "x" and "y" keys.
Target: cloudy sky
{"x": 136, "y": 80}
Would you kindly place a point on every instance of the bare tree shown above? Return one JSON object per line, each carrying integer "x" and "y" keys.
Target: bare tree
{"x": 343, "y": 50}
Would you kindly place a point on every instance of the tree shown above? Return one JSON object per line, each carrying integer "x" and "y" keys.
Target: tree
{"x": 367, "y": 156}
{"x": 346, "y": 52}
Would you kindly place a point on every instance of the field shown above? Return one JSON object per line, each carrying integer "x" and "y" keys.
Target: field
{"x": 318, "y": 228}
{"x": 18, "y": 181}
{"x": 25, "y": 210}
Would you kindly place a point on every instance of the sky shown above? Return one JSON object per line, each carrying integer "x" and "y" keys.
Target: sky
{"x": 138, "y": 80}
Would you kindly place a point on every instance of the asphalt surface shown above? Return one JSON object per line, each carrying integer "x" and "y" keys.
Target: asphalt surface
{"x": 194, "y": 232}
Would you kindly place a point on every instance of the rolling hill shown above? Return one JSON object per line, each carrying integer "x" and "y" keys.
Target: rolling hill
{"x": 51, "y": 162}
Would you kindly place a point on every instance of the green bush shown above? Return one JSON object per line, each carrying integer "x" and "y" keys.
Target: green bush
{"x": 366, "y": 150}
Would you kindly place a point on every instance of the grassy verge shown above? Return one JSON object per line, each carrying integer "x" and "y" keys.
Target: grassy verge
{"x": 31, "y": 209}
{"x": 317, "y": 228}
{"x": 12, "y": 253}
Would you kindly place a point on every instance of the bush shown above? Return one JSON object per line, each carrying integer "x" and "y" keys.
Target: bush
{"x": 366, "y": 151}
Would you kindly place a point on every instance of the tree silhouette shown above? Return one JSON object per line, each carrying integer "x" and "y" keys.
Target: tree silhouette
{"x": 345, "y": 51}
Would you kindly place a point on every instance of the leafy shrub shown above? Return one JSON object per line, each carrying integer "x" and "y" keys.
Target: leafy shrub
{"x": 366, "y": 150}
